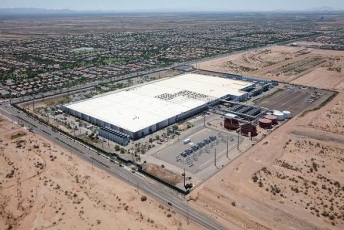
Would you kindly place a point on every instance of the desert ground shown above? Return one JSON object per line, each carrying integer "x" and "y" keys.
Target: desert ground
{"x": 297, "y": 65}
{"x": 294, "y": 178}
{"x": 42, "y": 186}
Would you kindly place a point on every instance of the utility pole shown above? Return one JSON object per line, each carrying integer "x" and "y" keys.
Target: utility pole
{"x": 238, "y": 137}
{"x": 184, "y": 177}
{"x": 227, "y": 148}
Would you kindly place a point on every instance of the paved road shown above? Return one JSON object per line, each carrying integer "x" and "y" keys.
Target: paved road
{"x": 154, "y": 189}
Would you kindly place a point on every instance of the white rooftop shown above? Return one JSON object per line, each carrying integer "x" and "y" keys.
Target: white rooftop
{"x": 142, "y": 106}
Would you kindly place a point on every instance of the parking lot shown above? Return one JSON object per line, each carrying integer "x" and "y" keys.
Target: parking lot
{"x": 199, "y": 152}
{"x": 293, "y": 99}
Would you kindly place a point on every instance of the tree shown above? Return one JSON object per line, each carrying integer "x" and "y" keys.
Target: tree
{"x": 117, "y": 148}
{"x": 157, "y": 137}
{"x": 175, "y": 127}
{"x": 122, "y": 150}
{"x": 150, "y": 140}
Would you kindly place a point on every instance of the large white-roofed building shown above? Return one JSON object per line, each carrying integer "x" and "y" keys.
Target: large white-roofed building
{"x": 144, "y": 109}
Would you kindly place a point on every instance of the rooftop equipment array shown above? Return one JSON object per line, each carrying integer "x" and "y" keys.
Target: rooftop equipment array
{"x": 185, "y": 93}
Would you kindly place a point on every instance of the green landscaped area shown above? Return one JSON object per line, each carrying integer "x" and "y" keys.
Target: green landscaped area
{"x": 112, "y": 60}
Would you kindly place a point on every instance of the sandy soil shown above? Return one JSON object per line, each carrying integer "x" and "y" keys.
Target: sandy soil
{"x": 166, "y": 175}
{"x": 331, "y": 120}
{"x": 329, "y": 75}
{"x": 318, "y": 68}
{"x": 251, "y": 61}
{"x": 293, "y": 179}
{"x": 43, "y": 186}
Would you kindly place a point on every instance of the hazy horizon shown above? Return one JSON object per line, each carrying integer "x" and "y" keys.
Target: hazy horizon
{"x": 176, "y": 5}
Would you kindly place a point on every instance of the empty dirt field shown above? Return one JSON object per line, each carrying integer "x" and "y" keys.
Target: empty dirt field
{"x": 252, "y": 61}
{"x": 46, "y": 187}
{"x": 331, "y": 120}
{"x": 318, "y": 68}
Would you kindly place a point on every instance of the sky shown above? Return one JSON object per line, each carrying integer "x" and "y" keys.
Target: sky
{"x": 183, "y": 5}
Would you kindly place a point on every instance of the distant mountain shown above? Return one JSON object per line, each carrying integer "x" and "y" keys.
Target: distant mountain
{"x": 316, "y": 9}
{"x": 324, "y": 9}
{"x": 40, "y": 11}
{"x": 32, "y": 11}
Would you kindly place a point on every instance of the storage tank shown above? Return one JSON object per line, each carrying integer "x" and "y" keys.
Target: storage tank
{"x": 279, "y": 115}
{"x": 231, "y": 123}
{"x": 247, "y": 129}
{"x": 272, "y": 118}
{"x": 287, "y": 114}
{"x": 265, "y": 123}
